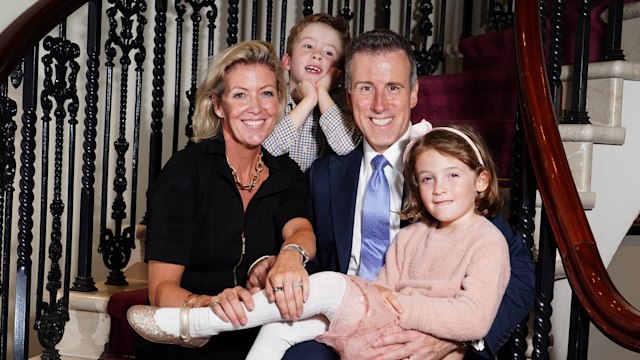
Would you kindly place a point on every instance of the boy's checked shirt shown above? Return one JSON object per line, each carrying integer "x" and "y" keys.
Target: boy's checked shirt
{"x": 335, "y": 129}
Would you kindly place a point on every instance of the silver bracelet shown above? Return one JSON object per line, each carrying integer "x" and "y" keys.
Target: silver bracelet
{"x": 300, "y": 250}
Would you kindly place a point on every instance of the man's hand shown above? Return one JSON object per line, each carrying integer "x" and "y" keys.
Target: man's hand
{"x": 413, "y": 345}
{"x": 391, "y": 299}
{"x": 258, "y": 275}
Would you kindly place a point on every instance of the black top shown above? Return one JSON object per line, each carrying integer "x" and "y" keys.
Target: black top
{"x": 196, "y": 219}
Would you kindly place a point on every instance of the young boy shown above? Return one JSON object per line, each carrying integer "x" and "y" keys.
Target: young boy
{"x": 316, "y": 118}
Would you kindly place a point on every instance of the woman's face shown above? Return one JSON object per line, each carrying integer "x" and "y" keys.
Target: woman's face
{"x": 249, "y": 105}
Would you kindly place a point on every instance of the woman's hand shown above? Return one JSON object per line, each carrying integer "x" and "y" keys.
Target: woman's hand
{"x": 391, "y": 299}
{"x": 230, "y": 305}
{"x": 288, "y": 284}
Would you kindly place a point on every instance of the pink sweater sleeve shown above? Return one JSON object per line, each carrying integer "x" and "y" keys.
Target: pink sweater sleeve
{"x": 469, "y": 314}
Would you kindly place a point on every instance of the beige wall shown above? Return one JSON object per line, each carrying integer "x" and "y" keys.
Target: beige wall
{"x": 11, "y": 9}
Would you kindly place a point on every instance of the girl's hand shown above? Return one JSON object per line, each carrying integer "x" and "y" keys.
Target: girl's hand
{"x": 230, "y": 305}
{"x": 391, "y": 299}
{"x": 288, "y": 285}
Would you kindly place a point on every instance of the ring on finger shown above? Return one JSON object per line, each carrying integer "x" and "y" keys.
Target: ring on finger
{"x": 213, "y": 303}
{"x": 297, "y": 284}
{"x": 278, "y": 288}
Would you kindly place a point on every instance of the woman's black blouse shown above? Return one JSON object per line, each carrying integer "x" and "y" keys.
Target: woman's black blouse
{"x": 195, "y": 218}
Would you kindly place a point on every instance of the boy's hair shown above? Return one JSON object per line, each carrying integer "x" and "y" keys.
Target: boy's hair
{"x": 206, "y": 124}
{"x": 338, "y": 23}
{"x": 447, "y": 143}
{"x": 376, "y": 42}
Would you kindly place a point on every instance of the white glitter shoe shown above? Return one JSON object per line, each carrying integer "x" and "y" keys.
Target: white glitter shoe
{"x": 141, "y": 319}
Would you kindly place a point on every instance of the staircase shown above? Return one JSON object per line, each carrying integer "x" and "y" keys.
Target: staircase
{"x": 601, "y": 159}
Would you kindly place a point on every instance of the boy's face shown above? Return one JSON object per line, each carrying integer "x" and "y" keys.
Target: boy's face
{"x": 318, "y": 49}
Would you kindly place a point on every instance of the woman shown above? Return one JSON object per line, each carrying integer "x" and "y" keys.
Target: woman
{"x": 224, "y": 203}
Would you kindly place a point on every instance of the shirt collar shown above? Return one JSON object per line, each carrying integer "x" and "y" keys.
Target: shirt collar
{"x": 393, "y": 154}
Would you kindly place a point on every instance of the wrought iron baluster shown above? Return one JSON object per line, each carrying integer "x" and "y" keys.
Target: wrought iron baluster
{"x": 283, "y": 26}
{"x": 307, "y": 7}
{"x": 578, "y": 113}
{"x": 612, "y": 50}
{"x": 232, "y": 23}
{"x": 269, "y": 20}
{"x": 386, "y": 14}
{"x": 407, "y": 20}
{"x": 500, "y": 17}
{"x": 254, "y": 20}
{"x": 555, "y": 53}
{"x": 330, "y": 7}
{"x": 84, "y": 280}
{"x": 181, "y": 10}
{"x": 361, "y": 17}
{"x": 157, "y": 93}
{"x": 545, "y": 272}
{"x": 346, "y": 12}
{"x": 59, "y": 89}
{"x": 522, "y": 194}
{"x": 578, "y": 330}
{"x": 467, "y": 18}
{"x": 116, "y": 245}
{"x": 426, "y": 62}
{"x": 8, "y": 111}
{"x": 212, "y": 15}
{"x": 25, "y": 209}
{"x": 196, "y": 18}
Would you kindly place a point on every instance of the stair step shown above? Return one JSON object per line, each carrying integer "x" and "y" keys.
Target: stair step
{"x": 87, "y": 331}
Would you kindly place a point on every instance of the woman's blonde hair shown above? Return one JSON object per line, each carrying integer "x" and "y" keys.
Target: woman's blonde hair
{"x": 206, "y": 124}
{"x": 447, "y": 143}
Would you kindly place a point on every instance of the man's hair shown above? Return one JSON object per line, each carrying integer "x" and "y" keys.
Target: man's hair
{"x": 338, "y": 23}
{"x": 206, "y": 124}
{"x": 447, "y": 143}
{"x": 377, "y": 42}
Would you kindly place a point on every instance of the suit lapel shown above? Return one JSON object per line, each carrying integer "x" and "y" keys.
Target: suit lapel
{"x": 343, "y": 178}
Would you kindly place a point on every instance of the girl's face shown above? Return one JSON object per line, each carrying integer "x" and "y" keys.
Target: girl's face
{"x": 448, "y": 188}
{"x": 249, "y": 104}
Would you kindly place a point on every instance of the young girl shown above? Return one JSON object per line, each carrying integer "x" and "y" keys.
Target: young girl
{"x": 444, "y": 275}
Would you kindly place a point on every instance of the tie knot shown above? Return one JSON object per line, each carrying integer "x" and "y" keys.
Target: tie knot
{"x": 379, "y": 162}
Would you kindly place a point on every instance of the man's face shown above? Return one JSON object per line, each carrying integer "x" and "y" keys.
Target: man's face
{"x": 381, "y": 97}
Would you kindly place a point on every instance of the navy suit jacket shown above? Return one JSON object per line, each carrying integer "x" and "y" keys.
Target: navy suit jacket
{"x": 333, "y": 185}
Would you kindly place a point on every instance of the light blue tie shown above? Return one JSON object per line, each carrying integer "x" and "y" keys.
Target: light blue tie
{"x": 375, "y": 221}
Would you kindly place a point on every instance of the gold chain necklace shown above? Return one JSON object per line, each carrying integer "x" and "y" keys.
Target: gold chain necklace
{"x": 254, "y": 178}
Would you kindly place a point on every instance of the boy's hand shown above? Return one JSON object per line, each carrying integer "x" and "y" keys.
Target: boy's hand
{"x": 330, "y": 80}
{"x": 305, "y": 90}
{"x": 391, "y": 299}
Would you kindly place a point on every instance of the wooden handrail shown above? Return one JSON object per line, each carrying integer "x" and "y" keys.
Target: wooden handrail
{"x": 22, "y": 33}
{"x": 586, "y": 273}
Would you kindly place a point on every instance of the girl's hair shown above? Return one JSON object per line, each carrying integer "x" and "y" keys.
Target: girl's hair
{"x": 447, "y": 143}
{"x": 206, "y": 124}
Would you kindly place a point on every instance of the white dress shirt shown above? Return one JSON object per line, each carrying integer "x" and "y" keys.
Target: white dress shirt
{"x": 396, "y": 182}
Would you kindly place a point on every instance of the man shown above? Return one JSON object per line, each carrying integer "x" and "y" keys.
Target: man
{"x": 382, "y": 88}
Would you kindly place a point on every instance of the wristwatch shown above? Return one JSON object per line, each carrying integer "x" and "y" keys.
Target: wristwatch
{"x": 300, "y": 250}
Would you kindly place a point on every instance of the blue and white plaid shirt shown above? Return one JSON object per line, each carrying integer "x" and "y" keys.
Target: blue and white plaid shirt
{"x": 335, "y": 130}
